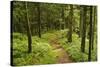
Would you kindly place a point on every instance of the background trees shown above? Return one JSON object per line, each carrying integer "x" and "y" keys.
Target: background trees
{"x": 36, "y": 19}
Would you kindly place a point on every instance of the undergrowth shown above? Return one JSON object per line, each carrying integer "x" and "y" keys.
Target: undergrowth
{"x": 43, "y": 53}
{"x": 74, "y": 50}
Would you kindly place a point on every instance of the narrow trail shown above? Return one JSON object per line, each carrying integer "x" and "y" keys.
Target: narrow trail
{"x": 62, "y": 55}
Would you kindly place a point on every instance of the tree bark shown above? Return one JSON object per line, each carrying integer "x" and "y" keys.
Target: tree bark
{"x": 93, "y": 28}
{"x": 81, "y": 21}
{"x": 62, "y": 16}
{"x": 83, "y": 29}
{"x": 39, "y": 20}
{"x": 90, "y": 34}
{"x": 28, "y": 31}
{"x": 70, "y": 24}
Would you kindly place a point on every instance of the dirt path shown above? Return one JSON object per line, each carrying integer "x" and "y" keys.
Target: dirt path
{"x": 62, "y": 55}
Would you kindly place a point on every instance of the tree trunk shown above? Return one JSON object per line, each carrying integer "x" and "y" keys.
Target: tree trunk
{"x": 39, "y": 20}
{"x": 90, "y": 34}
{"x": 93, "y": 27}
{"x": 84, "y": 29}
{"x": 70, "y": 24}
{"x": 47, "y": 24}
{"x": 28, "y": 31}
{"x": 62, "y": 16}
{"x": 81, "y": 21}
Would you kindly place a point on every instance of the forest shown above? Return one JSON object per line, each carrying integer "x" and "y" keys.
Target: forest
{"x": 52, "y": 33}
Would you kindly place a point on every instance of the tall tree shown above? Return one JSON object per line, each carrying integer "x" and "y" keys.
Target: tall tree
{"x": 94, "y": 18}
{"x": 62, "y": 16}
{"x": 81, "y": 21}
{"x": 90, "y": 34}
{"x": 39, "y": 19}
{"x": 83, "y": 28}
{"x": 28, "y": 31}
{"x": 70, "y": 24}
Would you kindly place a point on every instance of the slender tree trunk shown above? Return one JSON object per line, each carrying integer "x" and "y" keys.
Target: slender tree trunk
{"x": 70, "y": 24}
{"x": 47, "y": 24}
{"x": 63, "y": 17}
{"x": 81, "y": 21}
{"x": 93, "y": 28}
{"x": 90, "y": 34}
{"x": 39, "y": 19}
{"x": 28, "y": 31}
{"x": 19, "y": 25}
{"x": 84, "y": 29}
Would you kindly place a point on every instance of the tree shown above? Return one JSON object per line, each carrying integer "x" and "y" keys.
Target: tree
{"x": 39, "y": 20}
{"x": 28, "y": 31}
{"x": 90, "y": 34}
{"x": 62, "y": 16}
{"x": 83, "y": 28}
{"x": 94, "y": 18}
{"x": 70, "y": 24}
{"x": 81, "y": 20}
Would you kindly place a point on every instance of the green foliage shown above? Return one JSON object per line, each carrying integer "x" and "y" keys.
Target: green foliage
{"x": 19, "y": 36}
{"x": 53, "y": 18}
{"x": 48, "y": 36}
{"x": 41, "y": 52}
{"x": 74, "y": 49}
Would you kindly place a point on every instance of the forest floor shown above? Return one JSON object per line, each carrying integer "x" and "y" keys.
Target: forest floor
{"x": 62, "y": 55}
{"x": 52, "y": 48}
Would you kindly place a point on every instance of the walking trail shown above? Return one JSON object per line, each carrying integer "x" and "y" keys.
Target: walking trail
{"x": 62, "y": 55}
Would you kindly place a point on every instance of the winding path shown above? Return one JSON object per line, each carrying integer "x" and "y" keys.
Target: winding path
{"x": 62, "y": 55}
